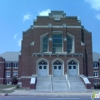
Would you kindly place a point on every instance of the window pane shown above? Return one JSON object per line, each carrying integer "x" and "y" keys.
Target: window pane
{"x": 15, "y": 73}
{"x": 7, "y": 74}
{"x": 70, "y": 67}
{"x": 45, "y": 67}
{"x": 69, "y": 44}
{"x": 59, "y": 67}
{"x": 74, "y": 67}
{"x": 40, "y": 67}
{"x": 55, "y": 67}
{"x": 95, "y": 74}
{"x": 45, "y": 44}
{"x": 95, "y": 65}
{"x": 57, "y": 43}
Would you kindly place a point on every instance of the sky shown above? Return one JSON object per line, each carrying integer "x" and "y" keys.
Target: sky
{"x": 17, "y": 16}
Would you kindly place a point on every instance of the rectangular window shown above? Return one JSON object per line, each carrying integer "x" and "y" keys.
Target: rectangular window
{"x": 45, "y": 67}
{"x": 95, "y": 65}
{"x": 15, "y": 73}
{"x": 40, "y": 67}
{"x": 74, "y": 67}
{"x": 55, "y": 67}
{"x": 95, "y": 73}
{"x": 8, "y": 65}
{"x": 59, "y": 67}
{"x": 57, "y": 43}
{"x": 15, "y": 65}
{"x": 82, "y": 35}
{"x": 45, "y": 44}
{"x": 69, "y": 44}
{"x": 8, "y": 74}
{"x": 70, "y": 67}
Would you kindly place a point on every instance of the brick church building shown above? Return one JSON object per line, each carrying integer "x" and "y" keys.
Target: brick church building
{"x": 56, "y": 45}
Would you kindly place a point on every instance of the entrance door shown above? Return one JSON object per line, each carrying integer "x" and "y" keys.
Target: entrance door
{"x": 57, "y": 70}
{"x": 42, "y": 70}
{"x": 72, "y": 69}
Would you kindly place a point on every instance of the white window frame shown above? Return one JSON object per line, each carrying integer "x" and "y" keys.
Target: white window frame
{"x": 8, "y": 75}
{"x": 15, "y": 72}
{"x": 15, "y": 65}
{"x": 8, "y": 64}
{"x": 96, "y": 65}
{"x": 95, "y": 73}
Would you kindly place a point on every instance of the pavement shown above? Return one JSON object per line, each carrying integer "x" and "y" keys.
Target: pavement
{"x": 31, "y": 92}
{"x": 46, "y": 93}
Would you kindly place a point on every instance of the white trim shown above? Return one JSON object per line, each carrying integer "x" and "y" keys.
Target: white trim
{"x": 97, "y": 74}
{"x": 90, "y": 76}
{"x": 59, "y": 59}
{"x": 77, "y": 65}
{"x": 39, "y": 60}
{"x": 55, "y": 26}
{"x": 69, "y": 85}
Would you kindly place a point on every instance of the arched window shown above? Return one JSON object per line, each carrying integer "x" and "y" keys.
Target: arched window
{"x": 57, "y": 42}
{"x": 57, "y": 63}
{"x": 42, "y": 63}
{"x": 72, "y": 62}
{"x": 45, "y": 44}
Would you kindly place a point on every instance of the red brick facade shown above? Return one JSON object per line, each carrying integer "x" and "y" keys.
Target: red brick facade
{"x": 30, "y": 54}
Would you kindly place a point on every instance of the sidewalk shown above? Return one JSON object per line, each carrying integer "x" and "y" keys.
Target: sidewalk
{"x": 47, "y": 93}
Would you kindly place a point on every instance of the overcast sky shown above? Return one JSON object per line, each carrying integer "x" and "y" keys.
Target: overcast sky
{"x": 17, "y": 16}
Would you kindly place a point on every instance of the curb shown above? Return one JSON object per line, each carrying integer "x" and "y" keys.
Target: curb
{"x": 46, "y": 94}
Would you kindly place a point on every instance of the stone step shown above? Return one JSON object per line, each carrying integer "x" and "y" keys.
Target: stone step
{"x": 76, "y": 84}
{"x": 43, "y": 83}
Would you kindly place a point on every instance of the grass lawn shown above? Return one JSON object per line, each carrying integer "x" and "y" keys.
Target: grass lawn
{"x": 2, "y": 86}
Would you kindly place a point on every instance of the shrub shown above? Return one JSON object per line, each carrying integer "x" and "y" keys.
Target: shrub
{"x": 14, "y": 80}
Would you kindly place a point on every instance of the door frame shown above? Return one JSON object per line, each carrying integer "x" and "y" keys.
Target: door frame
{"x": 76, "y": 65}
{"x": 72, "y": 70}
{"x": 57, "y": 69}
{"x": 39, "y": 60}
{"x": 60, "y": 60}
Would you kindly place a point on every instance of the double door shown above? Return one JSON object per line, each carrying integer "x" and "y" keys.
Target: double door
{"x": 42, "y": 70}
{"x": 57, "y": 70}
{"x": 72, "y": 70}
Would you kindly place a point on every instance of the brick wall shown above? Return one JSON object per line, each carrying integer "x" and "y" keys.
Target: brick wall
{"x": 2, "y": 63}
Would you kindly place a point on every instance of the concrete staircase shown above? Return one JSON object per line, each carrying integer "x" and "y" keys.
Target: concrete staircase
{"x": 43, "y": 83}
{"x": 51, "y": 83}
{"x": 76, "y": 84}
{"x": 59, "y": 84}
